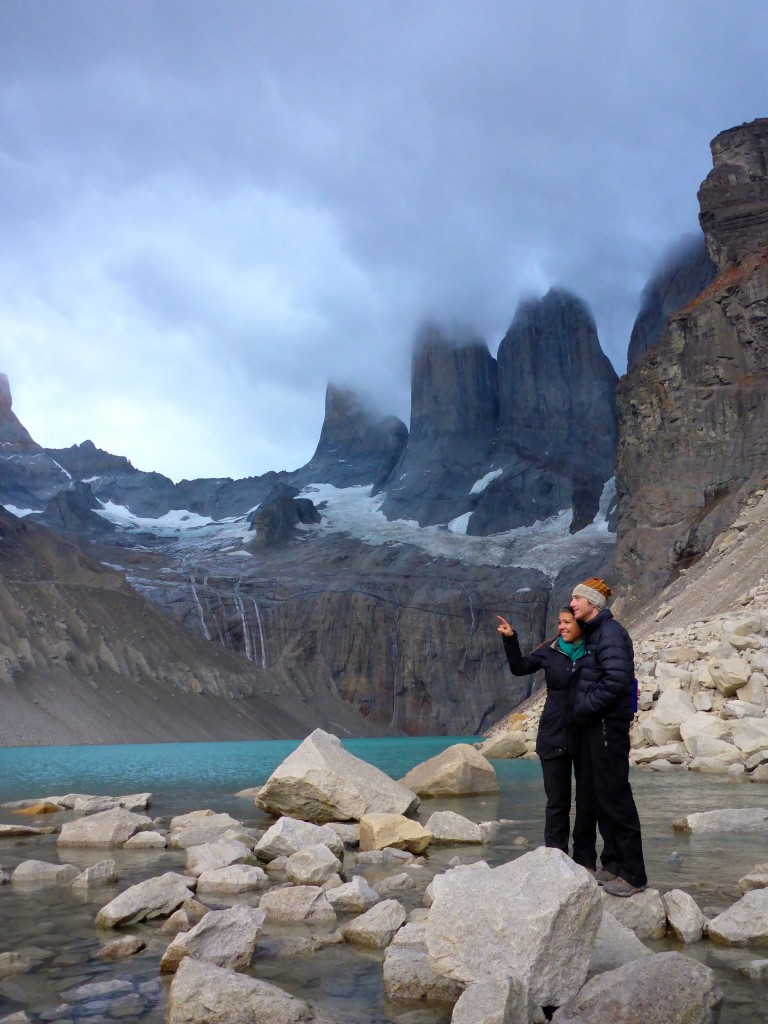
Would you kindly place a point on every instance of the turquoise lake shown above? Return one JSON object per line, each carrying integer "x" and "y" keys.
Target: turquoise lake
{"x": 189, "y": 776}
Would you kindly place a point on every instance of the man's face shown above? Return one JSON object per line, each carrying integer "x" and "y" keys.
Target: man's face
{"x": 583, "y": 609}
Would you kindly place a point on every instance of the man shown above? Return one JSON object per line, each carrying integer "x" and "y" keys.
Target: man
{"x": 603, "y": 708}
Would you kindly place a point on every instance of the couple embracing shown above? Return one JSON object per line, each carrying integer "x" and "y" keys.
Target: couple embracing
{"x": 584, "y": 728}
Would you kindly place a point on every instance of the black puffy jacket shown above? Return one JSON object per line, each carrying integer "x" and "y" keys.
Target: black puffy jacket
{"x": 560, "y": 674}
{"x": 605, "y": 687}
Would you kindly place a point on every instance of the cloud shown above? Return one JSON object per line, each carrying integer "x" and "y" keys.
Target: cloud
{"x": 212, "y": 209}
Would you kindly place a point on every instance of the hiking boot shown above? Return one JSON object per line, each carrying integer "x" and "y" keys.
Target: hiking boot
{"x": 602, "y": 876}
{"x": 619, "y": 887}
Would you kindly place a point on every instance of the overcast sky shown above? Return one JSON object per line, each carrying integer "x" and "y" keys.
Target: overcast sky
{"x": 209, "y": 209}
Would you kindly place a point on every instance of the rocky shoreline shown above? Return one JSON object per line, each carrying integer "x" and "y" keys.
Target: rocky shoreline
{"x": 528, "y": 940}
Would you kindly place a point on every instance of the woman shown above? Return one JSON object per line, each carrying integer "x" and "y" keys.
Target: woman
{"x": 560, "y": 659}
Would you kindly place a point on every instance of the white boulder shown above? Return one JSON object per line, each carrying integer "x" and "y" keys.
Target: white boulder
{"x": 226, "y": 938}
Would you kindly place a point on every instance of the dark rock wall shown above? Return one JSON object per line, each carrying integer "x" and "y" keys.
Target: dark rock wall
{"x": 685, "y": 273}
{"x": 454, "y": 410}
{"x": 693, "y": 413}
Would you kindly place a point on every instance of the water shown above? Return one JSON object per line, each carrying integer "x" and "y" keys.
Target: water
{"x": 187, "y": 776}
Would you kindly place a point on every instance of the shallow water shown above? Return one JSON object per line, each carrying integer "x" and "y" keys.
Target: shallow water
{"x": 184, "y": 777}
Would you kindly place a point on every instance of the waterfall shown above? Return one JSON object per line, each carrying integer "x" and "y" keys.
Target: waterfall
{"x": 261, "y": 635}
{"x": 246, "y": 631}
{"x": 206, "y": 631}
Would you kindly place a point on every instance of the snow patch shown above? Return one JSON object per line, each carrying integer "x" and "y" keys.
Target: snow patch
{"x": 21, "y": 512}
{"x": 460, "y": 524}
{"x": 480, "y": 485}
{"x": 174, "y": 521}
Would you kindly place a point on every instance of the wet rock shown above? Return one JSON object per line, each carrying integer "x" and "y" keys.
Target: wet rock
{"x": 379, "y": 831}
{"x": 739, "y": 819}
{"x": 644, "y": 913}
{"x": 107, "y": 828}
{"x": 535, "y": 918}
{"x": 189, "y": 914}
{"x": 198, "y": 831}
{"x": 408, "y": 974}
{"x": 40, "y": 807}
{"x": 154, "y": 897}
{"x": 500, "y": 1001}
{"x": 97, "y": 990}
{"x": 320, "y": 781}
{"x": 118, "y": 949}
{"x": 505, "y": 745}
{"x": 313, "y": 865}
{"x": 449, "y": 827}
{"x": 684, "y": 919}
{"x": 377, "y": 926}
{"x": 743, "y": 924}
{"x": 202, "y": 993}
{"x": 233, "y": 879}
{"x": 305, "y": 903}
{"x": 615, "y": 946}
{"x": 350, "y": 834}
{"x": 289, "y": 835}
{"x": 354, "y": 897}
{"x": 459, "y": 770}
{"x": 394, "y": 884}
{"x": 210, "y": 856}
{"x": 7, "y": 831}
{"x": 14, "y": 962}
{"x": 102, "y": 873}
{"x": 757, "y": 878}
{"x": 40, "y": 872}
{"x": 225, "y": 938}
{"x": 146, "y": 841}
{"x": 384, "y": 858}
{"x": 665, "y": 988}
{"x": 756, "y": 970}
{"x": 21, "y": 1017}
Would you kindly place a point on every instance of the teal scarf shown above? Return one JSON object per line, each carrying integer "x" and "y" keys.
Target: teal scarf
{"x": 574, "y": 651}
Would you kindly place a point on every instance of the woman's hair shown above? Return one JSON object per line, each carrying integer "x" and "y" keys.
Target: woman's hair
{"x": 567, "y": 609}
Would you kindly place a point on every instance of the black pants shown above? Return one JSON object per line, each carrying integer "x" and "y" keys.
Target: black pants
{"x": 557, "y": 816}
{"x": 601, "y": 756}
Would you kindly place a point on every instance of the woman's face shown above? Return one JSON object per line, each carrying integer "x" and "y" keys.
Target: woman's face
{"x": 568, "y": 627}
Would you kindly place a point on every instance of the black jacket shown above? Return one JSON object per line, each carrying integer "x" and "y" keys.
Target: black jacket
{"x": 560, "y": 674}
{"x": 605, "y": 687}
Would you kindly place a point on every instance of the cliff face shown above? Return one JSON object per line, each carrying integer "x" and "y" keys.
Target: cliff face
{"x": 693, "y": 413}
{"x": 686, "y": 272}
{"x": 85, "y": 659}
{"x": 454, "y": 407}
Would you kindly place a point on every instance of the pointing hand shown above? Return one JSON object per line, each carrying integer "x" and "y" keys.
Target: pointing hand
{"x": 505, "y": 629}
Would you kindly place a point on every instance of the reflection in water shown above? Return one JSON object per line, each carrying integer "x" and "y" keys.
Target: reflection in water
{"x": 55, "y": 930}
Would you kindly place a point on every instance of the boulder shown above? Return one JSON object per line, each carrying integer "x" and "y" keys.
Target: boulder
{"x": 40, "y": 872}
{"x": 738, "y": 819}
{"x": 644, "y": 914}
{"x": 394, "y": 884}
{"x": 226, "y": 938}
{"x": 505, "y": 745}
{"x": 757, "y": 878}
{"x": 459, "y": 770}
{"x": 154, "y": 897}
{"x": 534, "y": 918}
{"x": 379, "y": 831}
{"x": 729, "y": 674}
{"x": 684, "y": 919}
{"x": 312, "y": 865}
{"x": 202, "y": 993}
{"x": 232, "y": 879}
{"x": 500, "y": 1001}
{"x": 305, "y": 903}
{"x": 408, "y": 974}
{"x": 385, "y": 858}
{"x": 146, "y": 841}
{"x": 106, "y": 828}
{"x": 701, "y": 745}
{"x": 743, "y": 924}
{"x": 449, "y": 827}
{"x": 321, "y": 781}
{"x": 673, "y": 707}
{"x": 118, "y": 949}
{"x": 8, "y": 831}
{"x": 102, "y": 873}
{"x": 672, "y": 752}
{"x": 705, "y": 724}
{"x": 664, "y": 988}
{"x": 207, "y": 828}
{"x": 354, "y": 897}
{"x": 751, "y": 735}
{"x": 377, "y": 926}
{"x": 220, "y": 854}
{"x": 657, "y": 733}
{"x": 289, "y": 835}
{"x": 615, "y": 945}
